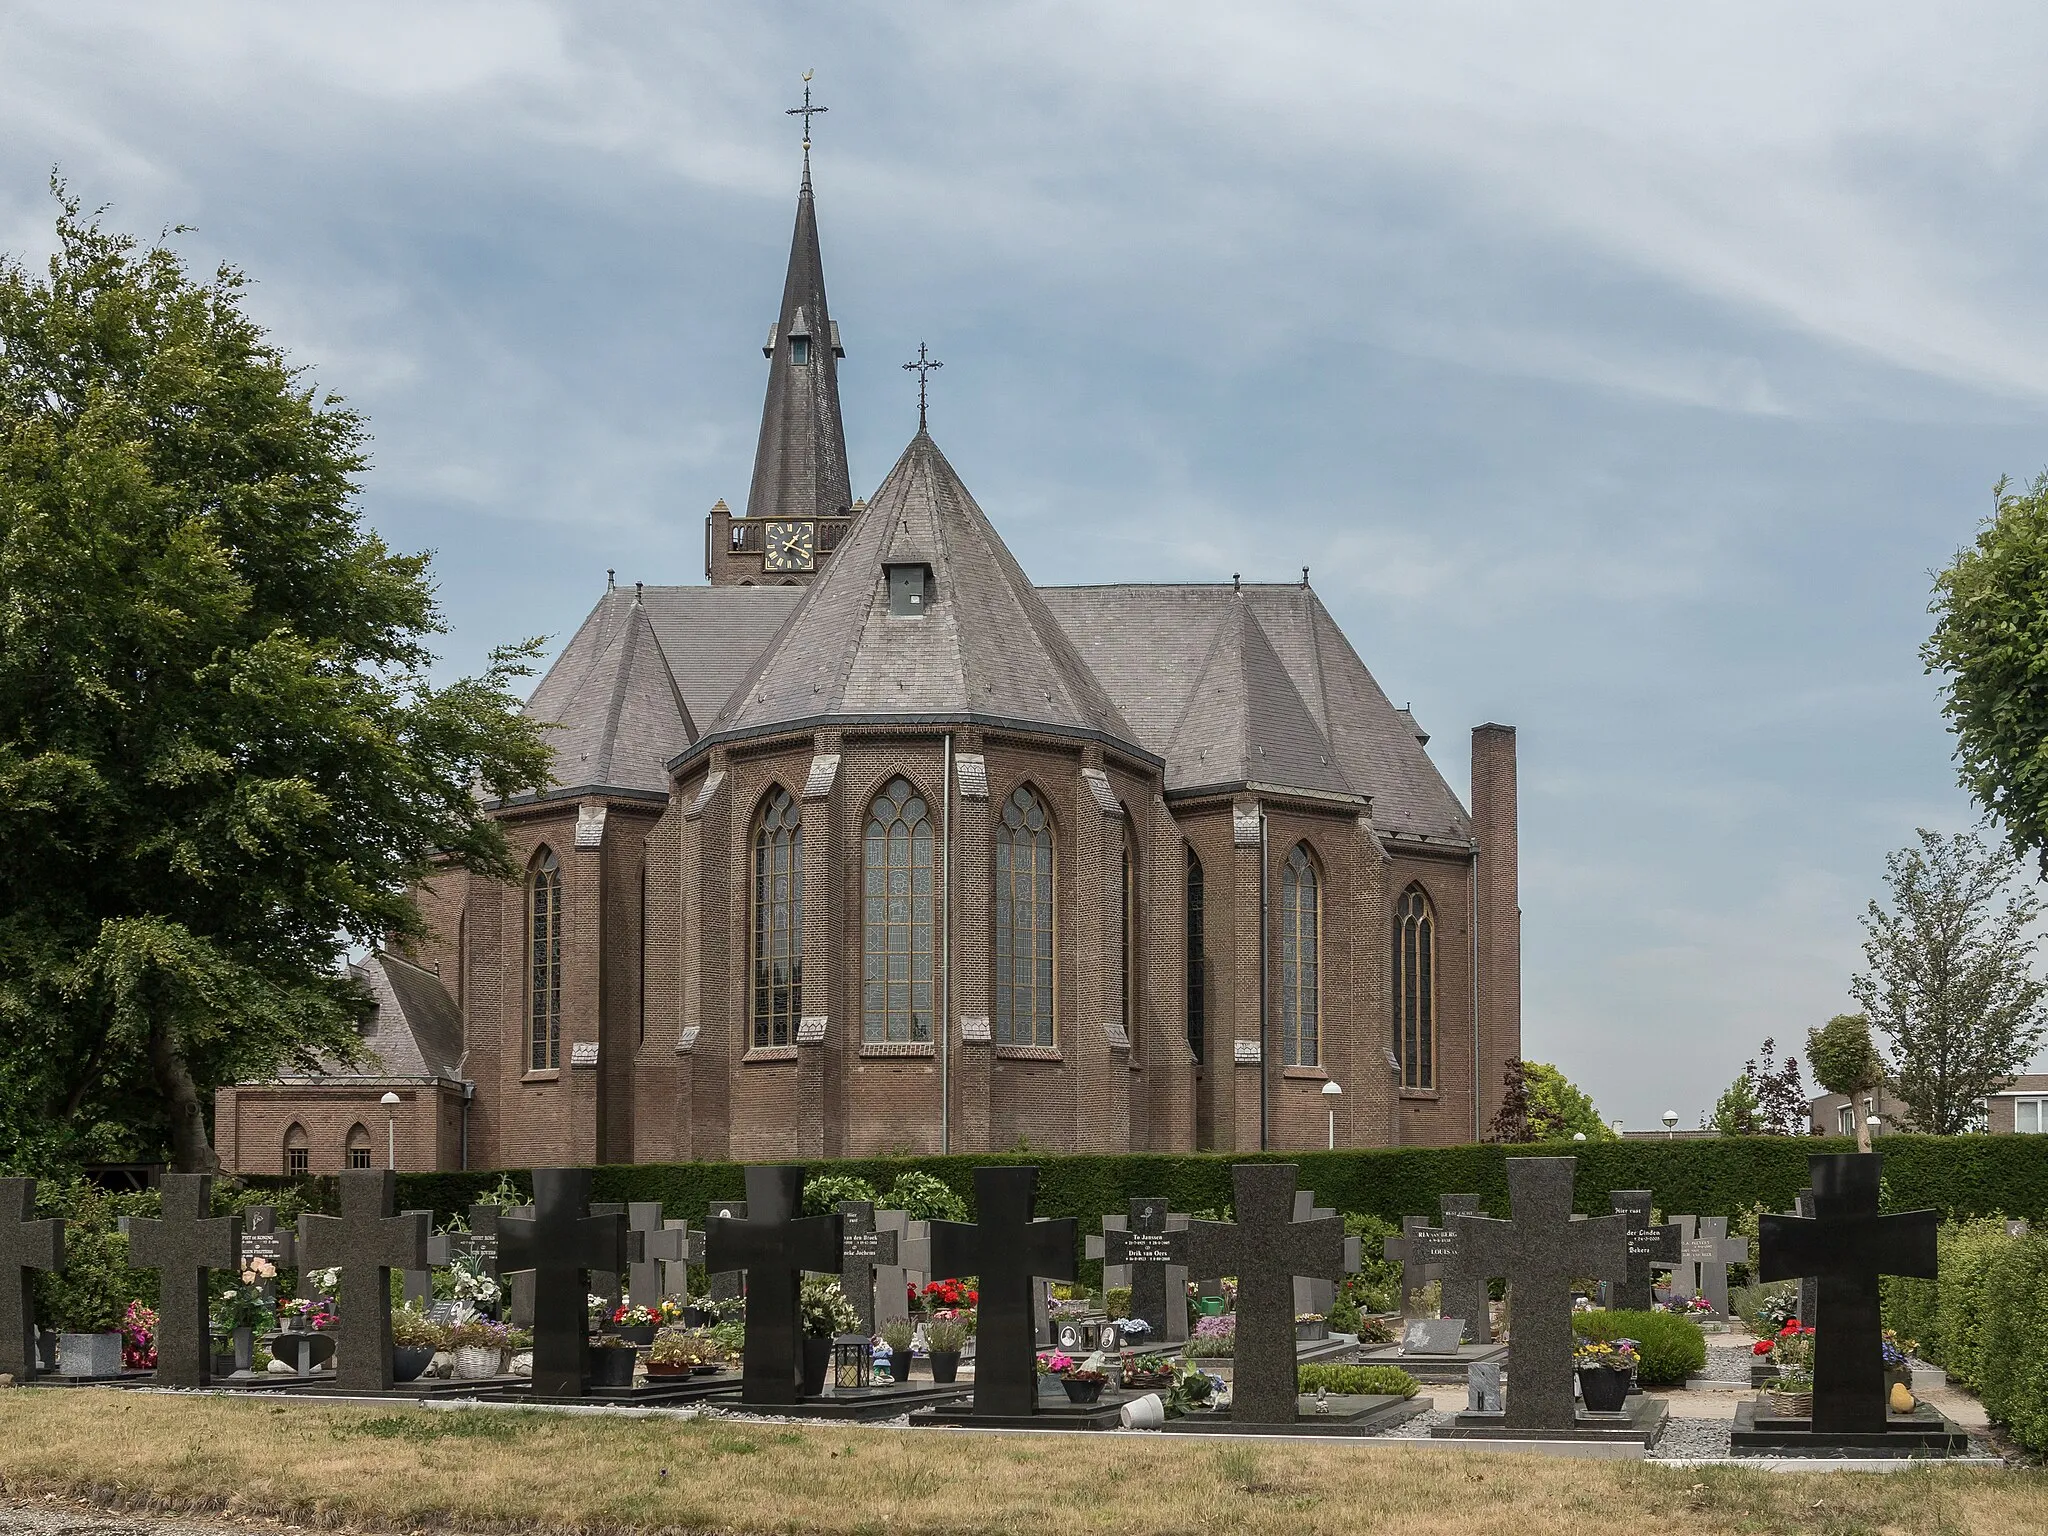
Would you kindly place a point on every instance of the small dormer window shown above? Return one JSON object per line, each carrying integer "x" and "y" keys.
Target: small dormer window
{"x": 800, "y": 350}
{"x": 910, "y": 590}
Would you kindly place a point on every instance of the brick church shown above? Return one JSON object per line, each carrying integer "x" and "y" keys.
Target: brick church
{"x": 869, "y": 845}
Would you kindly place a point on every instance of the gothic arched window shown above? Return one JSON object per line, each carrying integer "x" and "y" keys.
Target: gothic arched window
{"x": 298, "y": 1152}
{"x": 1024, "y": 923}
{"x": 1301, "y": 946}
{"x": 358, "y": 1148}
{"x": 1127, "y": 932}
{"x": 896, "y": 918}
{"x": 1415, "y": 988}
{"x": 778, "y": 921}
{"x": 1198, "y": 960}
{"x": 544, "y": 964}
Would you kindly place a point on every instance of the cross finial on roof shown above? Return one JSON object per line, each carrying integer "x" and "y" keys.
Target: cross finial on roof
{"x": 807, "y": 112}
{"x": 923, "y": 367}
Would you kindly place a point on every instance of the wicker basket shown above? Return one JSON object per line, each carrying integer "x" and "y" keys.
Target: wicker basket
{"x": 1789, "y": 1405}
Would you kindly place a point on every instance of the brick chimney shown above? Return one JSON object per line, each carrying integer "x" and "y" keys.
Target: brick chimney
{"x": 1497, "y": 876}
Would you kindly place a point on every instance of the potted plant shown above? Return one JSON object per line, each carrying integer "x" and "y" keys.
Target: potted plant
{"x": 1083, "y": 1379}
{"x": 1791, "y": 1395}
{"x": 683, "y": 1352}
{"x": 635, "y": 1324}
{"x": 138, "y": 1338}
{"x": 612, "y": 1359}
{"x": 826, "y": 1314}
{"x": 901, "y": 1339}
{"x": 415, "y": 1340}
{"x": 1898, "y": 1361}
{"x": 1606, "y": 1368}
{"x": 246, "y": 1308}
{"x": 1311, "y": 1327}
{"x": 944, "y": 1338}
{"x": 478, "y": 1345}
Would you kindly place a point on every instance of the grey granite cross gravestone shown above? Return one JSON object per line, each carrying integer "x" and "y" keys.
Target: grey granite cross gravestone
{"x": 682, "y": 1246}
{"x": 725, "y": 1283}
{"x": 1420, "y": 1251}
{"x": 1647, "y": 1246}
{"x": 664, "y": 1245}
{"x": 1542, "y": 1250}
{"x": 1707, "y": 1254}
{"x": 775, "y": 1245}
{"x": 892, "y": 1300}
{"x": 611, "y": 1283}
{"x": 25, "y": 1245}
{"x": 559, "y": 1246}
{"x": 1010, "y": 1251}
{"x": 1465, "y": 1292}
{"x": 864, "y": 1252}
{"x": 418, "y": 1282}
{"x": 1313, "y": 1293}
{"x": 1136, "y": 1250}
{"x": 1809, "y": 1286}
{"x": 365, "y": 1242}
{"x": 1846, "y": 1245}
{"x": 1266, "y": 1248}
{"x": 182, "y": 1247}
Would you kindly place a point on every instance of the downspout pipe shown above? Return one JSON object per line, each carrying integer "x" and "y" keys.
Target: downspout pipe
{"x": 946, "y": 949}
{"x": 1265, "y": 1009}
{"x": 1472, "y": 926}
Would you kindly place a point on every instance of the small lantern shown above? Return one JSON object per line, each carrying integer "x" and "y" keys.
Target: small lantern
{"x": 853, "y": 1362}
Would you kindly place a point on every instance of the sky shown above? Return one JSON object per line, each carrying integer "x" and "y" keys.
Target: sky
{"x": 1621, "y": 373}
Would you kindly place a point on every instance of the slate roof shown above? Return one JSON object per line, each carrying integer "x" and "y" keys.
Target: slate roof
{"x": 986, "y": 647}
{"x": 800, "y": 459}
{"x": 415, "y": 1030}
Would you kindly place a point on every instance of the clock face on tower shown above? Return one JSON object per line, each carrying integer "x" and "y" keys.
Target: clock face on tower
{"x": 790, "y": 546}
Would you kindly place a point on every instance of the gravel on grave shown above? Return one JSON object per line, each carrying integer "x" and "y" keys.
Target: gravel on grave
{"x": 1728, "y": 1362}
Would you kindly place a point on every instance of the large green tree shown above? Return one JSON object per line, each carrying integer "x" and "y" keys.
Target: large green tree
{"x": 222, "y": 758}
{"x": 1950, "y": 980}
{"x": 1991, "y": 642}
{"x": 1539, "y": 1103}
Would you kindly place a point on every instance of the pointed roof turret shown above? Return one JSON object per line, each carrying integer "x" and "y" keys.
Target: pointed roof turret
{"x": 800, "y": 460}
{"x": 978, "y": 644}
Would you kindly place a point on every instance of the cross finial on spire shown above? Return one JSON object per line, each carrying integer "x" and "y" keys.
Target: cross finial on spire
{"x": 923, "y": 367}
{"x": 807, "y": 112}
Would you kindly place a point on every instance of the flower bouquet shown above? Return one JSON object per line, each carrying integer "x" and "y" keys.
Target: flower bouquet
{"x": 138, "y": 1338}
{"x": 1791, "y": 1351}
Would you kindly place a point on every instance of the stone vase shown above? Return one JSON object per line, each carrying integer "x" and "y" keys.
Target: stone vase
{"x": 817, "y": 1364}
{"x": 411, "y": 1364}
{"x": 612, "y": 1367}
{"x": 1604, "y": 1390}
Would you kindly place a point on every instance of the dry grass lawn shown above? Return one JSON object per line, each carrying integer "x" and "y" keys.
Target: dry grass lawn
{"x": 405, "y": 1469}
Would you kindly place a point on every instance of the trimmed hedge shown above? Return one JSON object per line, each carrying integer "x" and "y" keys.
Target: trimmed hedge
{"x": 2015, "y": 1339}
{"x": 1358, "y": 1380}
{"x": 1671, "y": 1347}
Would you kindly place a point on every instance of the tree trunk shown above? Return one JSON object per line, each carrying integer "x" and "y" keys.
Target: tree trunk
{"x": 190, "y": 1150}
{"x": 1863, "y": 1133}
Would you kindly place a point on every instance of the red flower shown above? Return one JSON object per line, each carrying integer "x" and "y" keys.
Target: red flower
{"x": 1761, "y": 1347}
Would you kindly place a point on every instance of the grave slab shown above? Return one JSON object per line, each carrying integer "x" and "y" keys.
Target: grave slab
{"x": 1334, "y": 1415}
{"x": 1926, "y": 1432}
{"x": 1639, "y": 1422}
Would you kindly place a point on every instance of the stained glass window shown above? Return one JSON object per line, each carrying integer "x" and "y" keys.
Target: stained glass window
{"x": 1024, "y": 923}
{"x": 544, "y": 965}
{"x": 1301, "y": 935}
{"x": 897, "y": 918}
{"x": 1415, "y": 988}
{"x": 778, "y": 921}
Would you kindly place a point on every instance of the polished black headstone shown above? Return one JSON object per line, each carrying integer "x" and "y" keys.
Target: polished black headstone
{"x": 865, "y": 1252}
{"x": 182, "y": 1247}
{"x": 1466, "y": 1292}
{"x": 561, "y": 1247}
{"x": 418, "y": 1281}
{"x": 774, "y": 1244}
{"x": 365, "y": 1242}
{"x": 611, "y": 1283}
{"x": 1007, "y": 1249}
{"x": 263, "y": 1238}
{"x": 1705, "y": 1250}
{"x": 25, "y": 1245}
{"x": 1140, "y": 1243}
{"x": 1809, "y": 1287}
{"x": 1266, "y": 1248}
{"x": 1648, "y": 1247}
{"x": 725, "y": 1283}
{"x": 519, "y": 1287}
{"x": 1542, "y": 1250}
{"x": 1846, "y": 1246}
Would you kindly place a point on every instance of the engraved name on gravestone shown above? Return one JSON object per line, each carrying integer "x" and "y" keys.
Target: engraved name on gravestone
{"x": 558, "y": 1248}
{"x": 865, "y": 1252}
{"x": 26, "y": 1245}
{"x": 365, "y": 1242}
{"x": 1420, "y": 1250}
{"x": 1466, "y": 1293}
{"x": 1846, "y": 1246}
{"x": 1542, "y": 1250}
{"x": 1010, "y": 1251}
{"x": 1648, "y": 1246}
{"x": 1266, "y": 1248}
{"x": 182, "y": 1247}
{"x": 1137, "y": 1251}
{"x": 774, "y": 1245}
{"x": 1432, "y": 1335}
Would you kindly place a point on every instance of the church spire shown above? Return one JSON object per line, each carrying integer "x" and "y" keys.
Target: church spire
{"x": 800, "y": 461}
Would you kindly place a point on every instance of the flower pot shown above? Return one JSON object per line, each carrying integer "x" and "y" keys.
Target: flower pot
{"x": 612, "y": 1367}
{"x": 477, "y": 1362}
{"x": 642, "y": 1334}
{"x": 223, "y": 1365}
{"x": 1081, "y": 1391}
{"x": 1789, "y": 1405}
{"x": 900, "y": 1366}
{"x": 695, "y": 1317}
{"x": 657, "y": 1372}
{"x": 945, "y": 1365}
{"x": 410, "y": 1364}
{"x": 88, "y": 1354}
{"x": 1147, "y": 1412}
{"x": 1604, "y": 1390}
{"x": 817, "y": 1363}
{"x": 1311, "y": 1333}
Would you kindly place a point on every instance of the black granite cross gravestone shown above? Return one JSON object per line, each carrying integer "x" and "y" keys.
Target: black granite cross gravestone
{"x": 863, "y": 1254}
{"x": 1159, "y": 1284}
{"x": 775, "y": 1244}
{"x": 1846, "y": 1245}
{"x": 725, "y": 1283}
{"x": 1705, "y": 1250}
{"x": 25, "y": 1244}
{"x": 1466, "y": 1293}
{"x": 181, "y": 1247}
{"x": 417, "y": 1283}
{"x": 1008, "y": 1250}
{"x": 1266, "y": 1249}
{"x": 1542, "y": 1250}
{"x": 365, "y": 1242}
{"x": 519, "y": 1286}
{"x": 611, "y": 1283}
{"x": 1647, "y": 1246}
{"x": 1420, "y": 1251}
{"x": 1809, "y": 1287}
{"x": 560, "y": 1246}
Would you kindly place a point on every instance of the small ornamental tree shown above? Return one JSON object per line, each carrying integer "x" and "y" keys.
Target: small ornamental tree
{"x": 1845, "y": 1060}
{"x": 222, "y": 759}
{"x": 1511, "y": 1123}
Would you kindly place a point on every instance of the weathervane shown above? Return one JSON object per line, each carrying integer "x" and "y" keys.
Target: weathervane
{"x": 923, "y": 366}
{"x": 807, "y": 112}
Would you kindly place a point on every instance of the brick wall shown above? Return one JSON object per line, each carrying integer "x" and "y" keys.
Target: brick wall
{"x": 252, "y": 1121}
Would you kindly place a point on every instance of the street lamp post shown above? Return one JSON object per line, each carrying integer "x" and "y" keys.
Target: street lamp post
{"x": 1331, "y": 1093}
{"x": 390, "y": 1103}
{"x": 1670, "y": 1124}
